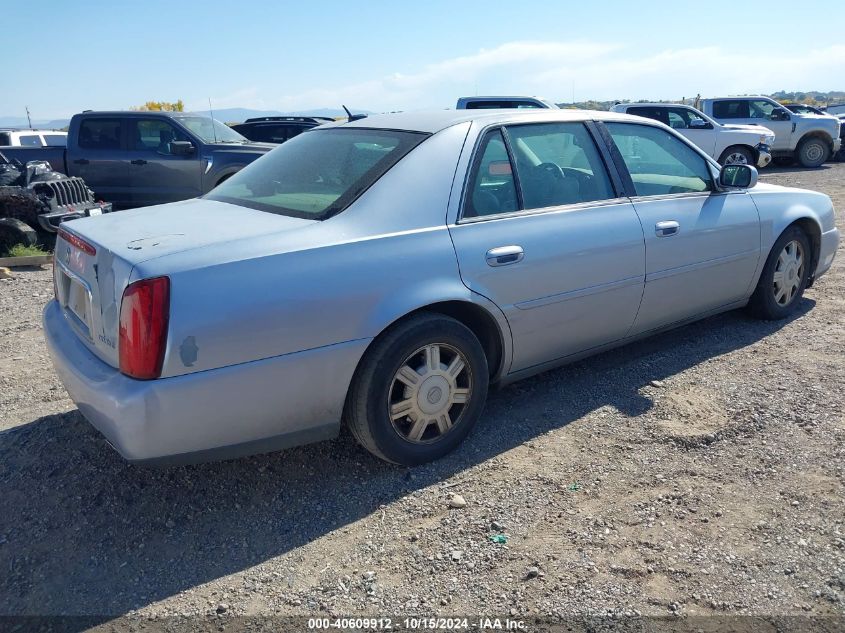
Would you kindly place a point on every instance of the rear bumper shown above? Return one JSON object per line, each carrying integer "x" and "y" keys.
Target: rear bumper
{"x": 222, "y": 413}
{"x": 827, "y": 251}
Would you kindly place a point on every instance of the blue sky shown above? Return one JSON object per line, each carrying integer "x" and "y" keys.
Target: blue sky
{"x": 68, "y": 56}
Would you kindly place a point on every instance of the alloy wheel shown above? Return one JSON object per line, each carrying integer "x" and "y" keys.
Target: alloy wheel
{"x": 429, "y": 392}
{"x": 789, "y": 272}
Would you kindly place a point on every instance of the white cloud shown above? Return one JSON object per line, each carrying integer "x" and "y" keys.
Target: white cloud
{"x": 593, "y": 70}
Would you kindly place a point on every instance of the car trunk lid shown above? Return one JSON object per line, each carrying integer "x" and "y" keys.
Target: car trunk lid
{"x": 94, "y": 257}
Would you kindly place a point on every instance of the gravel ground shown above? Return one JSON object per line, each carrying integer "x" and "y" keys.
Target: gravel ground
{"x": 698, "y": 473}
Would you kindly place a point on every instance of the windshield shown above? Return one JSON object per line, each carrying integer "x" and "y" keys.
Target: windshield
{"x": 317, "y": 174}
{"x": 219, "y": 133}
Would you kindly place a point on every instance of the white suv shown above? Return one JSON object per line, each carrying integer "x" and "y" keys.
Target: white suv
{"x": 729, "y": 144}
{"x": 33, "y": 138}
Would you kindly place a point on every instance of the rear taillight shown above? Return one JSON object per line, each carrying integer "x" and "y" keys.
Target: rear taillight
{"x": 144, "y": 313}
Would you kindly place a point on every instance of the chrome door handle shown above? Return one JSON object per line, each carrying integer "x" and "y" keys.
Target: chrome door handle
{"x": 504, "y": 255}
{"x": 667, "y": 228}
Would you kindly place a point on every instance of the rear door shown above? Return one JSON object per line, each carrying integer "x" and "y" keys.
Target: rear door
{"x": 99, "y": 157}
{"x": 702, "y": 246}
{"x": 545, "y": 235}
{"x": 156, "y": 174}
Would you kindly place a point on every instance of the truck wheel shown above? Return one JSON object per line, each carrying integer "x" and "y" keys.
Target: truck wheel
{"x": 813, "y": 152}
{"x": 737, "y": 155}
{"x": 13, "y": 232}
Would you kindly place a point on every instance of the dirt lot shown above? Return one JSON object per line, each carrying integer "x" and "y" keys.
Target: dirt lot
{"x": 702, "y": 472}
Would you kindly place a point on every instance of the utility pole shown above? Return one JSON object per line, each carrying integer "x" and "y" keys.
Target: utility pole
{"x": 27, "y": 117}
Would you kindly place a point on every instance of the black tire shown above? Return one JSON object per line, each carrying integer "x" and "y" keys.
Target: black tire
{"x": 738, "y": 150}
{"x": 367, "y": 404}
{"x": 813, "y": 152}
{"x": 763, "y": 303}
{"x": 14, "y": 232}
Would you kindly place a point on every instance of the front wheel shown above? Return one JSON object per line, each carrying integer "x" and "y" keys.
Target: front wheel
{"x": 784, "y": 276}
{"x": 813, "y": 152}
{"x": 737, "y": 155}
{"x": 419, "y": 390}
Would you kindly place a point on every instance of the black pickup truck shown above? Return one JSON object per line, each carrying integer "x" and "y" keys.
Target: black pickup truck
{"x": 135, "y": 159}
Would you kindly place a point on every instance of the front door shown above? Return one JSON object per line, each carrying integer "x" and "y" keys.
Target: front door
{"x": 702, "y": 246}
{"x": 546, "y": 236}
{"x": 156, "y": 175}
{"x": 757, "y": 112}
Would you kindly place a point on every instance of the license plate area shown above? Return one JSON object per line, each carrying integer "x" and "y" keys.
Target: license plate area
{"x": 75, "y": 299}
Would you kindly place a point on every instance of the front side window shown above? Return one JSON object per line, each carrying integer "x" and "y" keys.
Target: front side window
{"x": 155, "y": 135}
{"x": 319, "y": 174}
{"x": 761, "y": 109}
{"x": 30, "y": 140}
{"x": 492, "y": 187}
{"x": 730, "y": 109}
{"x": 558, "y": 164}
{"x": 100, "y": 134}
{"x": 660, "y": 163}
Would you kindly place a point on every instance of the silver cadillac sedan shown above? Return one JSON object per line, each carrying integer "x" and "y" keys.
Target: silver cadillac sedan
{"x": 383, "y": 273}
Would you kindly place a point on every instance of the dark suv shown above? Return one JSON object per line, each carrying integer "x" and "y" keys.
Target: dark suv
{"x": 278, "y": 129}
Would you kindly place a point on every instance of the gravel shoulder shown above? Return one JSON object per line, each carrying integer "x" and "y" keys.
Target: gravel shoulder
{"x": 699, "y": 473}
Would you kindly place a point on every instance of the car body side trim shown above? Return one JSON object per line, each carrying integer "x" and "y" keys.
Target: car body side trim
{"x": 718, "y": 261}
{"x": 581, "y": 292}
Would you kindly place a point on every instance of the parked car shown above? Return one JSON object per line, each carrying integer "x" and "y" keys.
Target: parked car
{"x": 32, "y": 138}
{"x": 728, "y": 144}
{"x": 835, "y": 109}
{"x": 278, "y": 129}
{"x": 803, "y": 108}
{"x": 491, "y": 103}
{"x": 135, "y": 159}
{"x": 811, "y": 139}
{"x": 386, "y": 271}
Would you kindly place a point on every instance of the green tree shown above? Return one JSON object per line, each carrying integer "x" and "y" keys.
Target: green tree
{"x": 160, "y": 106}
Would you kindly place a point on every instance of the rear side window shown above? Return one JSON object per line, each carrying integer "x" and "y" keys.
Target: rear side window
{"x": 319, "y": 174}
{"x": 558, "y": 164}
{"x": 100, "y": 134}
{"x": 30, "y": 140}
{"x": 660, "y": 163}
{"x": 154, "y": 135}
{"x": 730, "y": 109}
{"x": 658, "y": 114}
{"x": 492, "y": 187}
{"x": 55, "y": 140}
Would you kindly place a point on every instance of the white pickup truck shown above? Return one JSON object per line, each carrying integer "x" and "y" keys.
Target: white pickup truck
{"x": 729, "y": 144}
{"x": 811, "y": 139}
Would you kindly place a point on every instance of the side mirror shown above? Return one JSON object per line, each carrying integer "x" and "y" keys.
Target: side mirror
{"x": 698, "y": 124}
{"x": 738, "y": 176}
{"x": 779, "y": 114}
{"x": 182, "y": 148}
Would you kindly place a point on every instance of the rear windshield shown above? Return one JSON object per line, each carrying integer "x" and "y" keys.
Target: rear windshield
{"x": 318, "y": 174}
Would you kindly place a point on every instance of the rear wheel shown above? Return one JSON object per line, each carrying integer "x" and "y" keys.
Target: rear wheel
{"x": 419, "y": 390}
{"x": 737, "y": 155}
{"x": 813, "y": 152}
{"x": 784, "y": 276}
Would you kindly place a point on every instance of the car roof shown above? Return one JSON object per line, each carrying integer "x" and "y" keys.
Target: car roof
{"x": 432, "y": 121}
{"x": 654, "y": 105}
